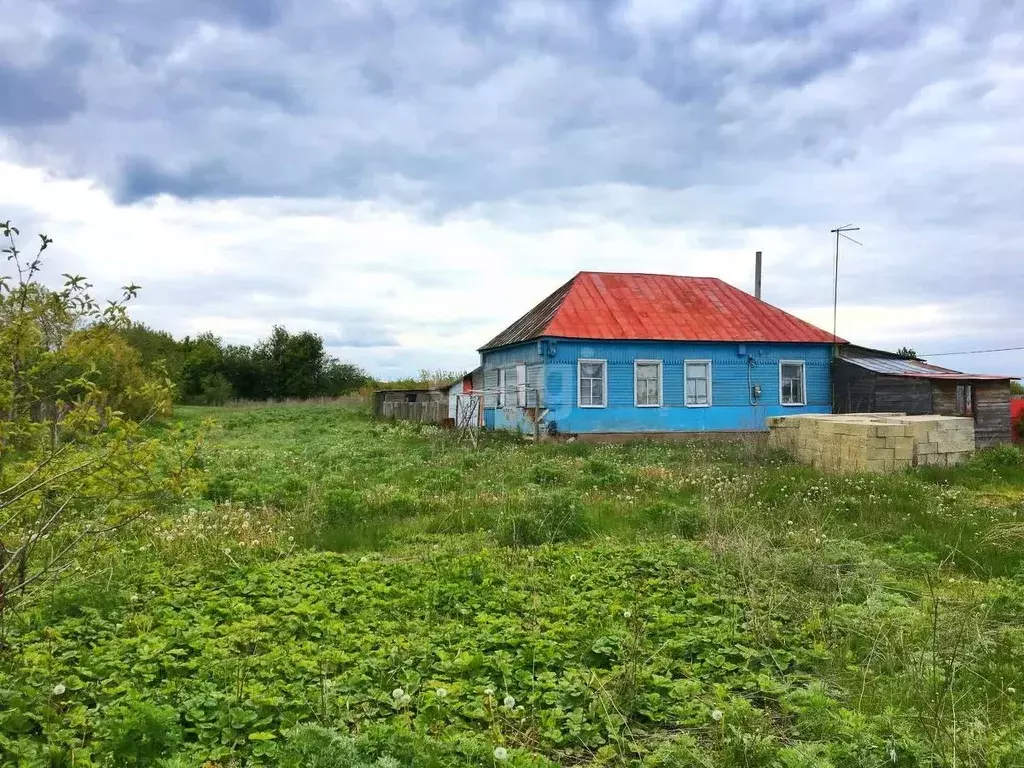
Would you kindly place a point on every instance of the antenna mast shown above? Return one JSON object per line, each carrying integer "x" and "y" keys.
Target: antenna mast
{"x": 840, "y": 232}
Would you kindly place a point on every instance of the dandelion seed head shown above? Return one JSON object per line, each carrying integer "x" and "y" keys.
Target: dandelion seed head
{"x": 717, "y": 715}
{"x": 397, "y": 694}
{"x": 509, "y": 702}
{"x": 59, "y": 689}
{"x": 500, "y": 754}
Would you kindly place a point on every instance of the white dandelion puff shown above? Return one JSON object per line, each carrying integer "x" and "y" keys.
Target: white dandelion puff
{"x": 500, "y": 754}
{"x": 441, "y": 692}
{"x": 59, "y": 689}
{"x": 397, "y": 694}
{"x": 717, "y": 715}
{"x": 509, "y": 702}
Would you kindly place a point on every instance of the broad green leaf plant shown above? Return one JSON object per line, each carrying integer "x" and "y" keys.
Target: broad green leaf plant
{"x": 76, "y": 461}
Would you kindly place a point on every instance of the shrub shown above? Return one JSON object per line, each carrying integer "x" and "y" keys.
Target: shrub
{"x": 313, "y": 746}
{"x": 999, "y": 457}
{"x": 215, "y": 389}
{"x": 551, "y": 520}
{"x": 143, "y": 733}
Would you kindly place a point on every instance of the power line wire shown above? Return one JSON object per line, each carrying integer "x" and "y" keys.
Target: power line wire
{"x": 972, "y": 352}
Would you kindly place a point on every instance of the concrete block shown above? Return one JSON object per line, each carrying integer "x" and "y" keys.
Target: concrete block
{"x": 879, "y": 465}
{"x": 952, "y": 459}
{"x": 872, "y": 442}
{"x": 960, "y": 446}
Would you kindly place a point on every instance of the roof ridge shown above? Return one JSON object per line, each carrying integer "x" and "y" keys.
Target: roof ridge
{"x": 648, "y": 274}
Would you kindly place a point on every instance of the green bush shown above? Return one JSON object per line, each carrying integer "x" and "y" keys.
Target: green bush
{"x": 215, "y": 389}
{"x": 142, "y": 733}
{"x": 313, "y": 746}
{"x": 548, "y": 521}
{"x": 999, "y": 457}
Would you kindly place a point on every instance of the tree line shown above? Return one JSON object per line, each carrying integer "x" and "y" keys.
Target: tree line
{"x": 205, "y": 371}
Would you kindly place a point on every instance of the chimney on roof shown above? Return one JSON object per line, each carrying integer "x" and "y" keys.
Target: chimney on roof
{"x": 757, "y": 275}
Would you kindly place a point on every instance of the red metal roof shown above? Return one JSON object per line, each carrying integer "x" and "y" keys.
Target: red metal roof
{"x": 628, "y": 306}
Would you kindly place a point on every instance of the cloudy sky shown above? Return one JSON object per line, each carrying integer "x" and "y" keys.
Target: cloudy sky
{"x": 406, "y": 178}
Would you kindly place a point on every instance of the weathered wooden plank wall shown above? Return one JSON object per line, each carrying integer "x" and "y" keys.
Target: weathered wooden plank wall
{"x": 992, "y": 413}
{"x": 857, "y": 390}
{"x": 944, "y": 398}
{"x": 423, "y": 413}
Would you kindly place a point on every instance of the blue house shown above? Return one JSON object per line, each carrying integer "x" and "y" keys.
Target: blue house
{"x": 639, "y": 353}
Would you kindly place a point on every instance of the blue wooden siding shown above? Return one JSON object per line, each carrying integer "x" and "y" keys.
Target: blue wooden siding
{"x": 732, "y": 376}
{"x": 731, "y": 371}
{"x": 512, "y": 417}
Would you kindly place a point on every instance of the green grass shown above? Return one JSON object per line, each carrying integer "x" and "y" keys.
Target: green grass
{"x": 624, "y": 597}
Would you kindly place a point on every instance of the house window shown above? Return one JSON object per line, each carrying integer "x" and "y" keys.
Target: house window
{"x": 698, "y": 383}
{"x": 647, "y": 383}
{"x": 501, "y": 387}
{"x": 520, "y": 385}
{"x": 792, "y": 383}
{"x": 593, "y": 383}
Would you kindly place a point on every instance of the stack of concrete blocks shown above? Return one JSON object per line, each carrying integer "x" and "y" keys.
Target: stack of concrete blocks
{"x": 876, "y": 442}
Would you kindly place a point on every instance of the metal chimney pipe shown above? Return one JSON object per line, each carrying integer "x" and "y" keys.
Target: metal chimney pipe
{"x": 757, "y": 275}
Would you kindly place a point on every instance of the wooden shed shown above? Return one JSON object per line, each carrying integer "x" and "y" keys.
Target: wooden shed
{"x": 872, "y": 381}
{"x": 412, "y": 395}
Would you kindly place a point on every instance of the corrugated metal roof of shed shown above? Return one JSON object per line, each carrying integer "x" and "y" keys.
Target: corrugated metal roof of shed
{"x": 631, "y": 306}
{"x": 897, "y": 366}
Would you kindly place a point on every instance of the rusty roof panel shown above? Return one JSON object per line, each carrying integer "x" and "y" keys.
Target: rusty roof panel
{"x": 629, "y": 306}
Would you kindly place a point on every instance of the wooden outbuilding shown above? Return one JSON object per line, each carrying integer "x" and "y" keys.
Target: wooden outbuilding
{"x": 872, "y": 381}
{"x": 385, "y": 399}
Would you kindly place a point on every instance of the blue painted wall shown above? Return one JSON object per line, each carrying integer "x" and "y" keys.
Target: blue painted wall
{"x": 512, "y": 417}
{"x": 731, "y": 381}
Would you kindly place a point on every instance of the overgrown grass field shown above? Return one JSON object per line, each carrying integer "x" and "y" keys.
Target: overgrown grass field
{"x": 349, "y": 592}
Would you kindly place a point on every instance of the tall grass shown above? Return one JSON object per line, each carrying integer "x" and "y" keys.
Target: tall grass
{"x": 624, "y": 594}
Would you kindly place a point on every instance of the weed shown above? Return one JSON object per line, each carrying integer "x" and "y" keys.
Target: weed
{"x": 637, "y": 590}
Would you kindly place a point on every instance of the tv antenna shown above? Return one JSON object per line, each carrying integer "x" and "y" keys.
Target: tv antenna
{"x": 839, "y": 232}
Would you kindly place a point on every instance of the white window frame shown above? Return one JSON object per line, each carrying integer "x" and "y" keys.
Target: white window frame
{"x": 803, "y": 382}
{"x": 661, "y": 384}
{"x": 604, "y": 382}
{"x": 501, "y": 387}
{"x": 521, "y": 385}
{"x": 686, "y": 396}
